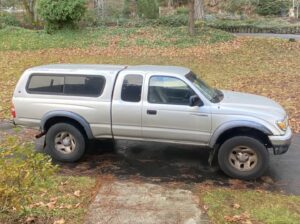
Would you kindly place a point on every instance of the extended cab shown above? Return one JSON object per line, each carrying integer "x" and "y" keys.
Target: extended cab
{"x": 74, "y": 103}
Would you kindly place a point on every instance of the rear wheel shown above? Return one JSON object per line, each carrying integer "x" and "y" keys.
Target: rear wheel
{"x": 65, "y": 143}
{"x": 243, "y": 157}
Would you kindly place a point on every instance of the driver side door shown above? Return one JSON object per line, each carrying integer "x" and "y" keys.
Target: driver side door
{"x": 167, "y": 116}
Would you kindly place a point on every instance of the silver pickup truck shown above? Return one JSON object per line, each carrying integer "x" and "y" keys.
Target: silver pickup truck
{"x": 74, "y": 103}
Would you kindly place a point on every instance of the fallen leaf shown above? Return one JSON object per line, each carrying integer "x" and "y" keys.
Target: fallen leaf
{"x": 54, "y": 199}
{"x": 267, "y": 180}
{"x": 40, "y": 204}
{"x": 77, "y": 193}
{"x": 51, "y": 205}
{"x": 64, "y": 183}
{"x": 242, "y": 218}
{"x": 236, "y": 206}
{"x": 65, "y": 206}
{"x": 237, "y": 184}
{"x": 61, "y": 188}
{"x": 60, "y": 221}
{"x": 30, "y": 219}
{"x": 247, "y": 222}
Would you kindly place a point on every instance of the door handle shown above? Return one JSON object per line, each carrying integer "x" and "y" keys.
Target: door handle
{"x": 199, "y": 115}
{"x": 151, "y": 112}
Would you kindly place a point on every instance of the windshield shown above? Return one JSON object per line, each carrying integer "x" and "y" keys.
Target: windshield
{"x": 213, "y": 95}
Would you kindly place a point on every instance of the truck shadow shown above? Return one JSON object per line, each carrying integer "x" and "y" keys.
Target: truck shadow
{"x": 154, "y": 162}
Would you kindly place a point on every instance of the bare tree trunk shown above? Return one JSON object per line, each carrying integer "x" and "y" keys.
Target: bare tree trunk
{"x": 30, "y": 8}
{"x": 297, "y": 14}
{"x": 100, "y": 7}
{"x": 170, "y": 3}
{"x": 199, "y": 9}
{"x": 191, "y": 17}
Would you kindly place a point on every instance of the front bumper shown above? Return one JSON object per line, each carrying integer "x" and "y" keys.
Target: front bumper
{"x": 281, "y": 143}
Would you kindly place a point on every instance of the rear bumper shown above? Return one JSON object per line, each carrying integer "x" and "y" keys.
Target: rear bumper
{"x": 281, "y": 143}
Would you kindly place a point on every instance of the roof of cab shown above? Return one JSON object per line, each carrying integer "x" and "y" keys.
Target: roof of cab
{"x": 160, "y": 68}
{"x": 70, "y": 68}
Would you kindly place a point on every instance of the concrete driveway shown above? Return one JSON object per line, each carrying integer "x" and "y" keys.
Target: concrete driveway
{"x": 285, "y": 169}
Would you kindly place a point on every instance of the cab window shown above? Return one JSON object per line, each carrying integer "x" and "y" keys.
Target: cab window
{"x": 169, "y": 90}
{"x": 132, "y": 88}
{"x": 46, "y": 84}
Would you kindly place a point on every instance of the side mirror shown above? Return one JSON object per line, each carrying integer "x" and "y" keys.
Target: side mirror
{"x": 195, "y": 101}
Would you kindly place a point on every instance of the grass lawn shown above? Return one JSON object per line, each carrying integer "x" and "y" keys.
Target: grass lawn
{"x": 63, "y": 198}
{"x": 33, "y": 190}
{"x": 260, "y": 22}
{"x": 249, "y": 206}
{"x": 14, "y": 38}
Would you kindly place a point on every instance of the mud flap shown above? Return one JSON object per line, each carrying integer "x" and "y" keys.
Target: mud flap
{"x": 40, "y": 144}
{"x": 211, "y": 156}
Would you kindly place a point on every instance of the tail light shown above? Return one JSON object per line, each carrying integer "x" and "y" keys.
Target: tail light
{"x": 13, "y": 110}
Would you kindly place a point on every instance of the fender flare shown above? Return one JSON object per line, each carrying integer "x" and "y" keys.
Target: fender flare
{"x": 67, "y": 114}
{"x": 236, "y": 124}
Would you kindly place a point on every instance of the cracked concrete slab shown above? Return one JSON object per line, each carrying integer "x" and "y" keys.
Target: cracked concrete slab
{"x": 129, "y": 202}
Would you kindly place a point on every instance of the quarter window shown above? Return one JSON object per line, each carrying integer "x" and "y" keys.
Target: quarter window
{"x": 77, "y": 85}
{"x": 132, "y": 88}
{"x": 84, "y": 85}
{"x": 46, "y": 84}
{"x": 169, "y": 90}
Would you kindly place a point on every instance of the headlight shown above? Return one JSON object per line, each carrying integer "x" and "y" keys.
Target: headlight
{"x": 283, "y": 125}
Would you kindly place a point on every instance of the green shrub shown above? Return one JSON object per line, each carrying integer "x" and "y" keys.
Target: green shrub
{"x": 61, "y": 13}
{"x": 7, "y": 19}
{"x": 173, "y": 20}
{"x": 147, "y": 9}
{"x": 272, "y": 7}
{"x": 239, "y": 6}
{"x": 21, "y": 171}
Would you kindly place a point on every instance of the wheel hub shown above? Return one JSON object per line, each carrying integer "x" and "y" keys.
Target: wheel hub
{"x": 65, "y": 142}
{"x": 243, "y": 158}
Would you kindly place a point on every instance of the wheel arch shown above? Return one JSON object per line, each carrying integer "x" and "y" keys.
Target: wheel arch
{"x": 242, "y": 128}
{"x": 55, "y": 117}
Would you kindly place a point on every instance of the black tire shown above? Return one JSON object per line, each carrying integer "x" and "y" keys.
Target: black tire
{"x": 79, "y": 139}
{"x": 262, "y": 161}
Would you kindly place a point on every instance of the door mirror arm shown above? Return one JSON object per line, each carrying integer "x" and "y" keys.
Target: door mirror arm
{"x": 195, "y": 101}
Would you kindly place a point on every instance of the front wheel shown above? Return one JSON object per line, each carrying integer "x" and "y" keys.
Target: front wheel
{"x": 243, "y": 157}
{"x": 65, "y": 143}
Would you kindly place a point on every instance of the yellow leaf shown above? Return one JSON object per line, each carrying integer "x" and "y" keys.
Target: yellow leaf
{"x": 60, "y": 221}
{"x": 77, "y": 193}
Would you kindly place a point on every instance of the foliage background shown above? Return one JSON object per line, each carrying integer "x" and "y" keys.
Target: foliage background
{"x": 62, "y": 13}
